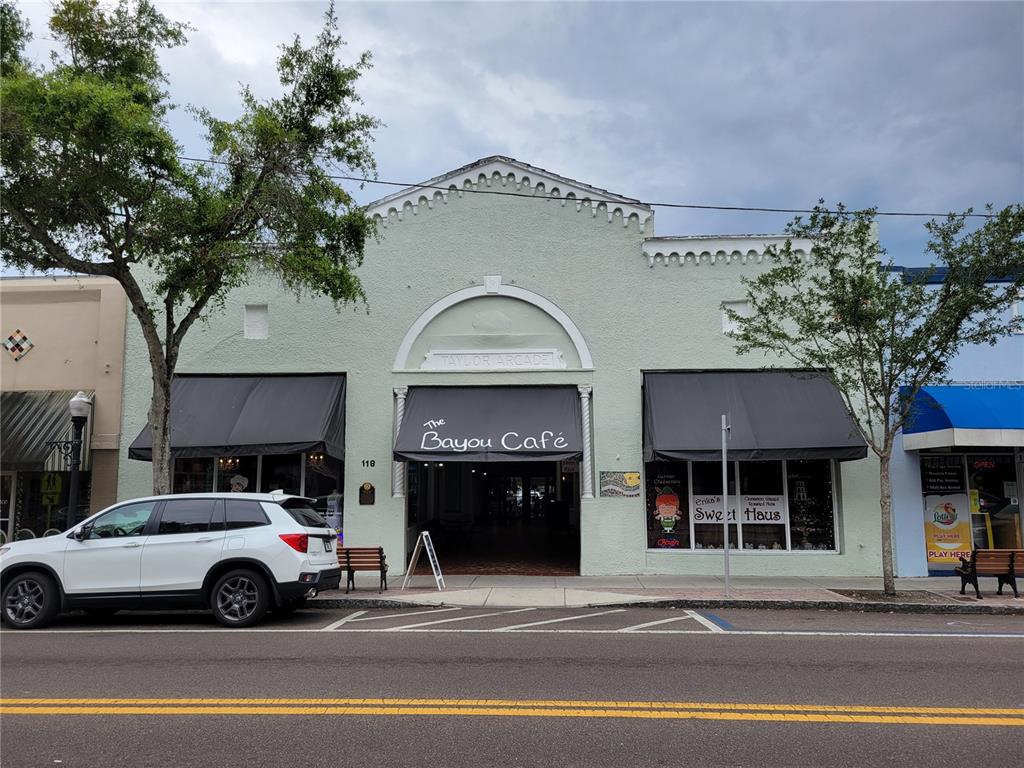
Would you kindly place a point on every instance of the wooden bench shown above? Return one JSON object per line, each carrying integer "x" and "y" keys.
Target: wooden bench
{"x": 352, "y": 559}
{"x": 1000, "y": 563}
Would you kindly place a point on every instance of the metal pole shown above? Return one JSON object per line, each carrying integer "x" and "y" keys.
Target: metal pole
{"x": 725, "y": 497}
{"x": 78, "y": 424}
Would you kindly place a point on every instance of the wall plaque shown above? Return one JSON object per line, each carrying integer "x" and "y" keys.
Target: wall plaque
{"x": 367, "y": 493}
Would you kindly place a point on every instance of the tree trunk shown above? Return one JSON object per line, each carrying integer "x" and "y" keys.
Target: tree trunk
{"x": 888, "y": 582}
{"x": 160, "y": 426}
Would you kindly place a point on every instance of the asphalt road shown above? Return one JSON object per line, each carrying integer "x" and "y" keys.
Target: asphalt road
{"x": 544, "y": 687}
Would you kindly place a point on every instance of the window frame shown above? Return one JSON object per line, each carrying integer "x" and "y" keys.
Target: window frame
{"x": 735, "y": 468}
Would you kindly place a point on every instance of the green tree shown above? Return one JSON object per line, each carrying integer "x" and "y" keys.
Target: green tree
{"x": 93, "y": 182}
{"x": 842, "y": 308}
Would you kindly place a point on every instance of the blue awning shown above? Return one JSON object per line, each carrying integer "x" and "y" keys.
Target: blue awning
{"x": 978, "y": 415}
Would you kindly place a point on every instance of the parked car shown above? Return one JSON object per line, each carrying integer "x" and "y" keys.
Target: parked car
{"x": 240, "y": 554}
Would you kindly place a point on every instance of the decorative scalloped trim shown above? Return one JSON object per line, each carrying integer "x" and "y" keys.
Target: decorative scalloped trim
{"x": 502, "y": 174}
{"x": 690, "y": 251}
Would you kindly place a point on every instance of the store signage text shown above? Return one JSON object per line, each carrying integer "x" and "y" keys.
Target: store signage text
{"x": 492, "y": 360}
{"x": 510, "y": 441}
{"x": 761, "y": 508}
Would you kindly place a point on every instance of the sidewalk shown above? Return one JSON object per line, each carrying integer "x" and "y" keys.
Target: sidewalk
{"x": 924, "y": 595}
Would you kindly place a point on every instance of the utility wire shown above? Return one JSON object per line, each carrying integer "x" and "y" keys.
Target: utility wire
{"x": 688, "y": 206}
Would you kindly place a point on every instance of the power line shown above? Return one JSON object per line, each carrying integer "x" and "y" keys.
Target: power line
{"x": 687, "y": 206}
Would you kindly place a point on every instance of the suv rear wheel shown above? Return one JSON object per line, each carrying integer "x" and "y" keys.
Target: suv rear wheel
{"x": 30, "y": 600}
{"x": 239, "y": 598}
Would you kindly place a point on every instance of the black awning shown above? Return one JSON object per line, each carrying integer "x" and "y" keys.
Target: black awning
{"x": 28, "y": 420}
{"x": 774, "y": 415}
{"x": 247, "y": 415}
{"x": 490, "y": 424}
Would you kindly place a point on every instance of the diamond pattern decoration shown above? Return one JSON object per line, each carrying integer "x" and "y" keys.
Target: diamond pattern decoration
{"x": 18, "y": 344}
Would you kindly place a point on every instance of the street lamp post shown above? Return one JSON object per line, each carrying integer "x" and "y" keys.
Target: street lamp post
{"x": 79, "y": 406}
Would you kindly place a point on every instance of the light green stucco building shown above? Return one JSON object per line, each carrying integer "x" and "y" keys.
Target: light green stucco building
{"x": 543, "y": 287}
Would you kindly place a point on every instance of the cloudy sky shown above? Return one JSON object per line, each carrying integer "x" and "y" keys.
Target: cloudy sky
{"x": 905, "y": 106}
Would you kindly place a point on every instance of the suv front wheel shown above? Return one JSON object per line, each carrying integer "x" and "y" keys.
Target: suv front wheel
{"x": 240, "y": 598}
{"x": 30, "y": 600}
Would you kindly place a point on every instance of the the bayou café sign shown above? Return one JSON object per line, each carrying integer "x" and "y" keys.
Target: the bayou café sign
{"x": 492, "y": 360}
{"x": 753, "y": 508}
{"x": 546, "y": 440}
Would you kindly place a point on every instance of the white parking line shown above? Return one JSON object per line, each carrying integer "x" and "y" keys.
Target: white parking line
{"x": 339, "y": 622}
{"x": 635, "y": 627}
{"x": 705, "y": 621}
{"x": 457, "y": 618}
{"x": 412, "y": 613}
{"x": 555, "y": 621}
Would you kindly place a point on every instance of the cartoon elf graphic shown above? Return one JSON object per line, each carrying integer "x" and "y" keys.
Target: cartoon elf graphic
{"x": 667, "y": 508}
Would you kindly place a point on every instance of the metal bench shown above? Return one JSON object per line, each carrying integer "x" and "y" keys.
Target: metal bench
{"x": 1000, "y": 563}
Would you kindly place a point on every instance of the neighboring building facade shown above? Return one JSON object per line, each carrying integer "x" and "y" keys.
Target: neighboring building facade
{"x": 61, "y": 335}
{"x": 538, "y": 382}
{"x": 958, "y": 470}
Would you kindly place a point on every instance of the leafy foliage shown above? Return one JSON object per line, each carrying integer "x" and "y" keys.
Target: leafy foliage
{"x": 93, "y": 181}
{"x": 831, "y": 300}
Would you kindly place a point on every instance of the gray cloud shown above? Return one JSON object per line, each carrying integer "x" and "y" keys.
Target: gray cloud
{"x": 903, "y": 105}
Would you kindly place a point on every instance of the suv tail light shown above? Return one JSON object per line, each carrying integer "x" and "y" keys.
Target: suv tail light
{"x": 297, "y": 541}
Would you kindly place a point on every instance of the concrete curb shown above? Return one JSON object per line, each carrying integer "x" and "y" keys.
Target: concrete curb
{"x": 827, "y": 605}
{"x": 668, "y": 603}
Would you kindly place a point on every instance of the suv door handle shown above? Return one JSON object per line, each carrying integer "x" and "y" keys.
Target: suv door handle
{"x": 129, "y": 546}
{"x": 204, "y": 540}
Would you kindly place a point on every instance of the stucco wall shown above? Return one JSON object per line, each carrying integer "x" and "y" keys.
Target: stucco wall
{"x": 77, "y": 327}
{"x": 632, "y": 316}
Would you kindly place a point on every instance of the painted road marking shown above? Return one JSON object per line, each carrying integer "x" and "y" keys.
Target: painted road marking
{"x": 457, "y": 618}
{"x": 635, "y": 627}
{"x": 408, "y": 613}
{"x": 655, "y": 710}
{"x": 712, "y": 627}
{"x": 10, "y": 635}
{"x": 555, "y": 621}
{"x": 345, "y": 620}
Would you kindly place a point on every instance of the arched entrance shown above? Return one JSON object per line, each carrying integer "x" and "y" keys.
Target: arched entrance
{"x": 495, "y": 470}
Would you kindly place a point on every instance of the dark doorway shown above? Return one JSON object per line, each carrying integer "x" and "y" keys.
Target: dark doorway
{"x": 498, "y": 517}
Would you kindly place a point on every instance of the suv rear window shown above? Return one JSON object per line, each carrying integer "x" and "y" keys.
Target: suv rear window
{"x": 244, "y": 514}
{"x": 306, "y": 517}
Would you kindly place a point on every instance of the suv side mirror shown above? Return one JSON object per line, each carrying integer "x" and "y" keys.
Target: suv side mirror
{"x": 84, "y": 532}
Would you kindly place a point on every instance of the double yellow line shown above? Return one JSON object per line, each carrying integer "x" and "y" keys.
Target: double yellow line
{"x": 644, "y": 710}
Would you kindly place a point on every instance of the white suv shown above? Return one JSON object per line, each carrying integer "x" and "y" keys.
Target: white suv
{"x": 241, "y": 554}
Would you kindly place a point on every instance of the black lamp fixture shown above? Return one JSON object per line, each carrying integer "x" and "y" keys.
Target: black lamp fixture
{"x": 79, "y": 405}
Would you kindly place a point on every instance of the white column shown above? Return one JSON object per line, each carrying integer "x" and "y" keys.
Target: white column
{"x": 398, "y": 467}
{"x": 586, "y": 465}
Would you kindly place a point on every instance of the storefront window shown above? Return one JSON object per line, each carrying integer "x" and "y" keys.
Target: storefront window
{"x": 811, "y": 518}
{"x": 708, "y": 519}
{"x": 237, "y": 473}
{"x": 994, "y": 501}
{"x": 668, "y": 517}
{"x": 323, "y": 483}
{"x": 759, "y": 514}
{"x": 762, "y": 505}
{"x": 282, "y": 473}
{"x": 193, "y": 475}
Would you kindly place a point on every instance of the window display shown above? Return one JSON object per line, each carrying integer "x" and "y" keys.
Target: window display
{"x": 811, "y": 517}
{"x": 668, "y": 519}
{"x": 994, "y": 501}
{"x": 772, "y": 505}
{"x": 281, "y": 472}
{"x": 237, "y": 474}
{"x": 192, "y": 475}
{"x": 708, "y": 522}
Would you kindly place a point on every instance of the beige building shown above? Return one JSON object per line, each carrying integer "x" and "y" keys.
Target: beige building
{"x": 60, "y": 335}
